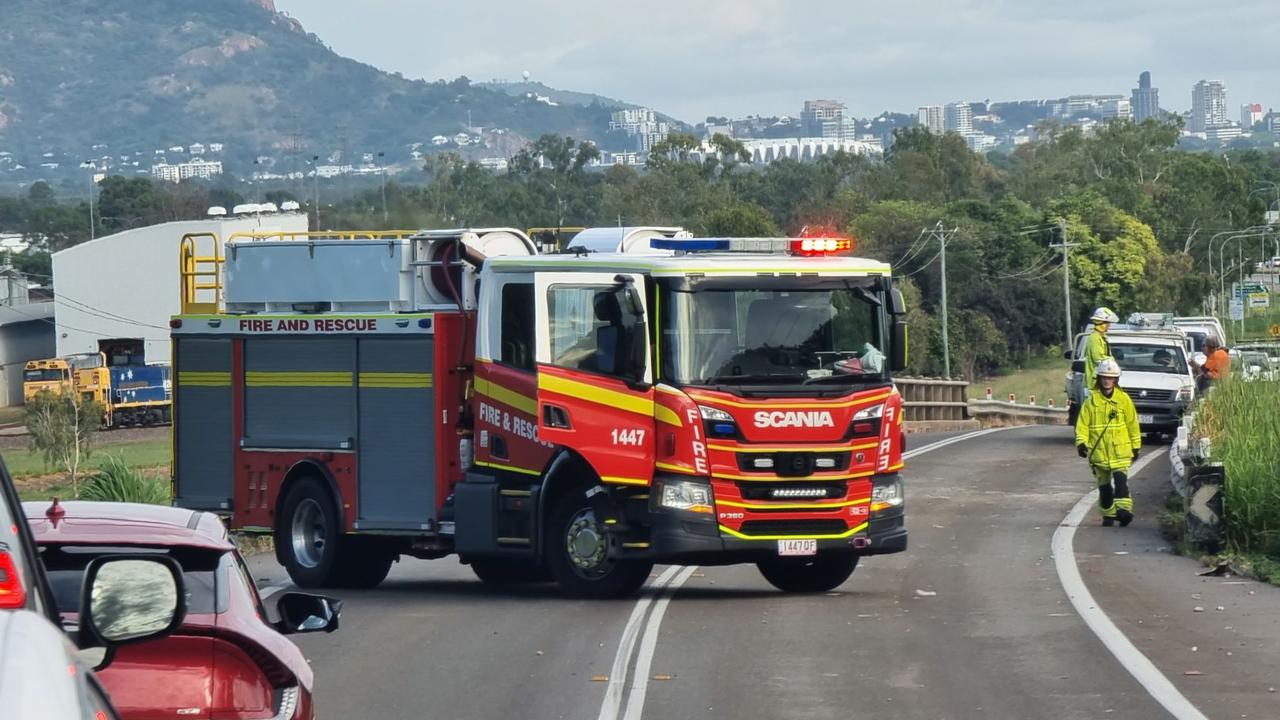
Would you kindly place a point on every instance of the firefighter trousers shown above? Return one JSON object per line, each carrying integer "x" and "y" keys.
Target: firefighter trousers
{"x": 1113, "y": 490}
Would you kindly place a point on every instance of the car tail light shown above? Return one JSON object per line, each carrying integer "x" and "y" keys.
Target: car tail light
{"x": 12, "y": 594}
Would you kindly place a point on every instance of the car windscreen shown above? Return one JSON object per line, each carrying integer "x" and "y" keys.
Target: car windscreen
{"x": 1136, "y": 357}
{"x": 65, "y": 566}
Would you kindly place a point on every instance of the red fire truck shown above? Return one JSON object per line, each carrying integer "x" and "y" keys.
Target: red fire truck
{"x": 577, "y": 416}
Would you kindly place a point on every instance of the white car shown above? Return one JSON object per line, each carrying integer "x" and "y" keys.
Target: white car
{"x": 1155, "y": 372}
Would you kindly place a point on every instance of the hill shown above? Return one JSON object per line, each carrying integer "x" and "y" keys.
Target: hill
{"x": 136, "y": 76}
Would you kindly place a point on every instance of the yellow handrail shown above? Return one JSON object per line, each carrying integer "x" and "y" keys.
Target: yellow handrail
{"x": 200, "y": 269}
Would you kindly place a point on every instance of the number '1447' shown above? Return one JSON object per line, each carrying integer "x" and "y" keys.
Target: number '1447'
{"x": 622, "y": 436}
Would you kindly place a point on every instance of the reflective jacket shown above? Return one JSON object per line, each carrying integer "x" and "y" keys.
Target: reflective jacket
{"x": 1108, "y": 426}
{"x": 1095, "y": 349}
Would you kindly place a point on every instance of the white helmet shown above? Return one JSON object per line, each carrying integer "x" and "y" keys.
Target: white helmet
{"x": 1107, "y": 368}
{"x": 1104, "y": 315}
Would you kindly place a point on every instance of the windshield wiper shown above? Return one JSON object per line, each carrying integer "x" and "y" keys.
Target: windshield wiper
{"x": 757, "y": 377}
{"x": 874, "y": 377}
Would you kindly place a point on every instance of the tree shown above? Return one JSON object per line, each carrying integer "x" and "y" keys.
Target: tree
{"x": 741, "y": 220}
{"x": 1109, "y": 264}
{"x": 63, "y": 428}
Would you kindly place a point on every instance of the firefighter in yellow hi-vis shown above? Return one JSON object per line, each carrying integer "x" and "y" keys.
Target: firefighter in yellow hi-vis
{"x": 1107, "y": 435}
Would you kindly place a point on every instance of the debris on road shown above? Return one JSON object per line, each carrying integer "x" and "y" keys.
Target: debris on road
{"x": 925, "y": 593}
{"x": 1192, "y": 672}
{"x": 1197, "y": 609}
{"x": 599, "y": 678}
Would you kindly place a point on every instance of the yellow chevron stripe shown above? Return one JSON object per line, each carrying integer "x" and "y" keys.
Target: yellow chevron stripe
{"x": 842, "y": 535}
{"x": 664, "y": 414}
{"x": 591, "y": 393}
{"x": 507, "y": 396}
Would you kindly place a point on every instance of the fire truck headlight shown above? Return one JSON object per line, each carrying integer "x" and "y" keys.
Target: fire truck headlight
{"x": 685, "y": 495}
{"x": 716, "y": 414}
{"x": 888, "y": 494}
{"x": 869, "y": 413}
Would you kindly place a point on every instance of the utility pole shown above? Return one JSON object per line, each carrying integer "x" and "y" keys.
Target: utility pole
{"x": 939, "y": 233}
{"x": 382, "y": 167}
{"x": 1066, "y": 275}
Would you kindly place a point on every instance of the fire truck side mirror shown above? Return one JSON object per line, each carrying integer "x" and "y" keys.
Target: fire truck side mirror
{"x": 898, "y": 344}
{"x": 897, "y": 306}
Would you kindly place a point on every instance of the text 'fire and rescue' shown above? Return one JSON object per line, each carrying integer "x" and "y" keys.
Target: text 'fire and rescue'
{"x": 319, "y": 325}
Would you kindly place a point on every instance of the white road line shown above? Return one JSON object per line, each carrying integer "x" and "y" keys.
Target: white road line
{"x": 635, "y": 701}
{"x": 953, "y": 440}
{"x": 1129, "y": 656}
{"x": 612, "y": 704}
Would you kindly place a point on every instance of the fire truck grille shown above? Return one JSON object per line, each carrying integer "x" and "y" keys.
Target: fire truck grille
{"x": 794, "y": 464}
{"x": 793, "y": 527}
{"x": 787, "y": 492}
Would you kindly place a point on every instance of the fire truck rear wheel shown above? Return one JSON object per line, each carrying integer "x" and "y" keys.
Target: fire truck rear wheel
{"x": 576, "y": 554}
{"x": 509, "y": 571}
{"x": 310, "y": 535}
{"x": 810, "y": 575}
{"x": 362, "y": 563}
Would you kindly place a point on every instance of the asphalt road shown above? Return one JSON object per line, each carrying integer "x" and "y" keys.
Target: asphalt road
{"x": 971, "y": 622}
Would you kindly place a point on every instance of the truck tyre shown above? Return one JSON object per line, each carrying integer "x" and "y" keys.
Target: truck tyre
{"x": 362, "y": 564}
{"x": 309, "y": 535}
{"x": 509, "y": 571}
{"x": 576, "y": 553}
{"x": 808, "y": 575}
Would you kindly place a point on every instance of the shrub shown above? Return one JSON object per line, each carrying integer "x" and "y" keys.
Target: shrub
{"x": 117, "y": 482}
{"x": 1242, "y": 420}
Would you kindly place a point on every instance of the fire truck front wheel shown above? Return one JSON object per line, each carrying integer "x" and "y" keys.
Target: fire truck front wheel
{"x": 576, "y": 553}
{"x": 808, "y": 575}
{"x": 309, "y": 533}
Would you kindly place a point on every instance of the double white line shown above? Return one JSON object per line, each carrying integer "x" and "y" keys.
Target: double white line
{"x": 662, "y": 589}
{"x": 643, "y": 625}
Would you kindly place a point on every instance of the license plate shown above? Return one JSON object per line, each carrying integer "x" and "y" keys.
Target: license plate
{"x": 797, "y": 547}
{"x": 1145, "y": 419}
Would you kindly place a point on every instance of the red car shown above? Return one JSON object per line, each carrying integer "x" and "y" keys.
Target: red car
{"x": 226, "y": 660}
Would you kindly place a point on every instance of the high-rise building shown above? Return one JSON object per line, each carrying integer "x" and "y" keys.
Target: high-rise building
{"x": 1146, "y": 99}
{"x": 1250, "y": 115}
{"x": 932, "y": 118}
{"x": 958, "y": 117}
{"x": 822, "y": 118}
{"x": 1208, "y": 105}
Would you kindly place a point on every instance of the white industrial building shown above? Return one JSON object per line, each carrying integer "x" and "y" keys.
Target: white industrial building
{"x": 126, "y": 286}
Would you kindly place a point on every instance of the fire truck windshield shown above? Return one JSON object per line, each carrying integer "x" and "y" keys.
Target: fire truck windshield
{"x": 798, "y": 333}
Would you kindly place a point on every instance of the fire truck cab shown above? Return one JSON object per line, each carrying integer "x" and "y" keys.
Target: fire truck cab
{"x": 577, "y": 416}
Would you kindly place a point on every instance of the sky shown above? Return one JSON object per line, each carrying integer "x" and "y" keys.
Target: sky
{"x": 765, "y": 57}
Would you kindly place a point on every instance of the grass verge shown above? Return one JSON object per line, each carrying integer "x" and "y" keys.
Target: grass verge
{"x": 1040, "y": 376}
{"x": 25, "y": 462}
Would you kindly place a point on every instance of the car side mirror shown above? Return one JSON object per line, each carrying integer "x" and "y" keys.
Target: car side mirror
{"x": 307, "y": 613}
{"x": 897, "y": 306}
{"x": 130, "y": 599}
{"x": 1066, "y": 354}
{"x": 1077, "y": 366}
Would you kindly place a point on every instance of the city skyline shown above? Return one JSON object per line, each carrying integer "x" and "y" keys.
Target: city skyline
{"x": 765, "y": 57}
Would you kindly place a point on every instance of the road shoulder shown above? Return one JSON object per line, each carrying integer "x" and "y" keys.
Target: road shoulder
{"x": 1216, "y": 638}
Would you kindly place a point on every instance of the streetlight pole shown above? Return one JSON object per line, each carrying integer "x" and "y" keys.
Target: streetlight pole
{"x": 93, "y": 169}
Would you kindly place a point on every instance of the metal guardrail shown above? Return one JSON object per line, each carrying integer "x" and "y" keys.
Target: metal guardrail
{"x": 1017, "y": 412}
{"x": 933, "y": 399}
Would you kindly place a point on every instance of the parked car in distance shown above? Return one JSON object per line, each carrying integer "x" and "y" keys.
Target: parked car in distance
{"x": 225, "y": 659}
{"x": 1201, "y": 328}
